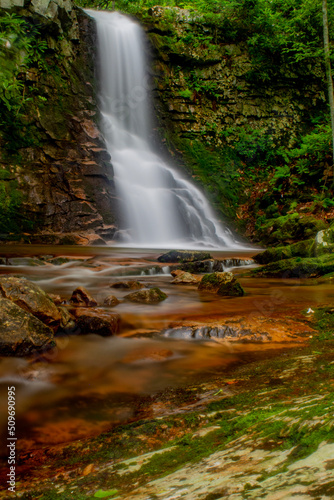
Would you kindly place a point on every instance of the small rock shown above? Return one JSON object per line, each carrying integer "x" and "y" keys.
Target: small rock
{"x": 152, "y": 296}
{"x": 97, "y": 321}
{"x": 67, "y": 320}
{"x": 222, "y": 284}
{"x": 132, "y": 285}
{"x": 111, "y": 301}
{"x": 21, "y": 333}
{"x": 81, "y": 297}
{"x": 184, "y": 278}
{"x": 56, "y": 299}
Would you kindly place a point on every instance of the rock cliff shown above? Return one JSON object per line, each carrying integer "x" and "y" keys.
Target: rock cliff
{"x": 56, "y": 182}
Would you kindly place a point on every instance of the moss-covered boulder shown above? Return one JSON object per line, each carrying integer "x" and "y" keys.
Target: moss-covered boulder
{"x": 300, "y": 249}
{"x": 183, "y": 256}
{"x": 32, "y": 299}
{"x": 289, "y": 229}
{"x": 297, "y": 268}
{"x": 152, "y": 296}
{"x": 222, "y": 284}
{"x": 324, "y": 241}
{"x": 21, "y": 334}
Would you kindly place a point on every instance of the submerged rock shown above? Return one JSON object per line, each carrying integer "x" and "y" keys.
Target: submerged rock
{"x": 81, "y": 297}
{"x": 132, "y": 285}
{"x": 183, "y": 256}
{"x": 151, "y": 296}
{"x": 222, "y": 284}
{"x": 97, "y": 321}
{"x": 21, "y": 333}
{"x": 32, "y": 299}
{"x": 111, "y": 301}
{"x": 227, "y": 332}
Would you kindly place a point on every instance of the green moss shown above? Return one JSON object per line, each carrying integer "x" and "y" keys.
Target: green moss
{"x": 300, "y": 249}
{"x": 297, "y": 267}
{"x": 289, "y": 228}
{"x": 222, "y": 284}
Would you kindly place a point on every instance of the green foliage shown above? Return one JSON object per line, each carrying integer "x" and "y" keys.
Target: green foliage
{"x": 13, "y": 47}
{"x": 186, "y": 94}
{"x": 104, "y": 494}
{"x": 10, "y": 202}
{"x": 21, "y": 47}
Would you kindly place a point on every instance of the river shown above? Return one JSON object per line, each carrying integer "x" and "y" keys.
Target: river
{"x": 90, "y": 383}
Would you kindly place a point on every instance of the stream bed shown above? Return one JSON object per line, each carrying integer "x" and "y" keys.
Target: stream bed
{"x": 89, "y": 384}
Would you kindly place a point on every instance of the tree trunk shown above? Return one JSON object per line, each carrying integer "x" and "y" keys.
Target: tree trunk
{"x": 328, "y": 68}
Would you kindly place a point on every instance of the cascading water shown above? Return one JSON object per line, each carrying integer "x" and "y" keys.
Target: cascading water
{"x": 160, "y": 208}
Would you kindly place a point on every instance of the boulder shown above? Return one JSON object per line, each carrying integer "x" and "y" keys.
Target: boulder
{"x": 222, "y": 284}
{"x": 128, "y": 285}
{"x": 183, "y": 256}
{"x": 183, "y": 278}
{"x": 324, "y": 241}
{"x": 297, "y": 268}
{"x": 96, "y": 321}
{"x": 32, "y": 299}
{"x": 303, "y": 248}
{"x": 111, "y": 301}
{"x": 151, "y": 296}
{"x": 81, "y": 297}
{"x": 21, "y": 333}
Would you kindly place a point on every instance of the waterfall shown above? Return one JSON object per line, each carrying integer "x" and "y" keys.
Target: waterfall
{"x": 160, "y": 208}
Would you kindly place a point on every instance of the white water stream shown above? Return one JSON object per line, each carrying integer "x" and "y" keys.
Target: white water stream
{"x": 160, "y": 208}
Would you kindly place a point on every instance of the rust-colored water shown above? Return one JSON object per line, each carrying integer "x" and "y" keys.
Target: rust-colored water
{"x": 89, "y": 383}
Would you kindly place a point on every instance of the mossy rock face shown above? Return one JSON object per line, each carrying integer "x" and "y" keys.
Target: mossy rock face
{"x": 222, "y": 284}
{"x": 300, "y": 249}
{"x": 297, "y": 267}
{"x": 152, "y": 296}
{"x": 183, "y": 256}
{"x": 21, "y": 334}
{"x": 290, "y": 228}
